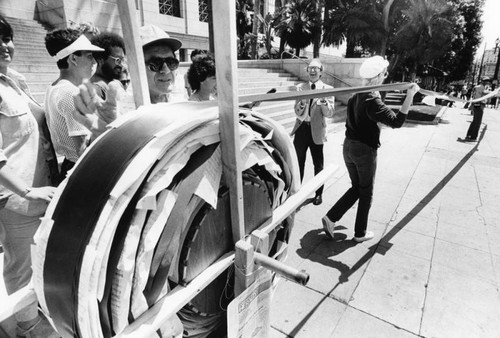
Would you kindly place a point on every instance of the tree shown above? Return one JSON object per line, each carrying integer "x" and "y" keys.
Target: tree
{"x": 299, "y": 24}
{"x": 243, "y": 25}
{"x": 458, "y": 60}
{"x": 427, "y": 33}
{"x": 356, "y": 22}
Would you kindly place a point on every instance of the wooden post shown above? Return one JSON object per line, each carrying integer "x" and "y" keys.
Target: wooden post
{"x": 244, "y": 268}
{"x": 135, "y": 56}
{"x": 227, "y": 92}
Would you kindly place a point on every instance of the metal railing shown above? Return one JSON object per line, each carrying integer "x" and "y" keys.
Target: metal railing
{"x": 306, "y": 62}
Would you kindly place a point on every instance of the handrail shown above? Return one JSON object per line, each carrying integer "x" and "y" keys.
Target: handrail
{"x": 324, "y": 71}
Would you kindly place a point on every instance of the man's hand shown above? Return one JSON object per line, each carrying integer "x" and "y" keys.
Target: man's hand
{"x": 41, "y": 193}
{"x": 90, "y": 107}
{"x": 414, "y": 88}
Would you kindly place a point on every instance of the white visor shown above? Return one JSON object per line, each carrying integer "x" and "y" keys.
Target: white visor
{"x": 82, "y": 43}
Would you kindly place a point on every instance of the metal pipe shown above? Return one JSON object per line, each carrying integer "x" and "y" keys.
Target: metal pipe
{"x": 300, "y": 277}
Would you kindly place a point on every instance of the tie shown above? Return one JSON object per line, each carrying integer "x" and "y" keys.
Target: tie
{"x": 313, "y": 86}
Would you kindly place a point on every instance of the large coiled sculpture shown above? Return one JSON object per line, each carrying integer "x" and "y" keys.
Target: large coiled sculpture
{"x": 147, "y": 208}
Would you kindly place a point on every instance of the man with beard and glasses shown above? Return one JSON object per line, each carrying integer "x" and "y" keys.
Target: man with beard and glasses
{"x": 110, "y": 63}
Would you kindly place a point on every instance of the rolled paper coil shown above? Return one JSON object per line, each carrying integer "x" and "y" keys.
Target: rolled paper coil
{"x": 146, "y": 208}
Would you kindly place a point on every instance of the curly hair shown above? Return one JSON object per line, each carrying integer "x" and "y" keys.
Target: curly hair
{"x": 5, "y": 28}
{"x": 107, "y": 40}
{"x": 203, "y": 66}
{"x": 59, "y": 39}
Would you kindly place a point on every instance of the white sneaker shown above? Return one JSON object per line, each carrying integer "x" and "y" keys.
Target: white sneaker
{"x": 328, "y": 226}
{"x": 368, "y": 235}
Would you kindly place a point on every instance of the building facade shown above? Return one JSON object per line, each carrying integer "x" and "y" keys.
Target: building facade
{"x": 489, "y": 62}
{"x": 186, "y": 20}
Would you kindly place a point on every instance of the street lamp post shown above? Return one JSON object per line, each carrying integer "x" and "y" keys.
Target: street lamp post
{"x": 495, "y": 74}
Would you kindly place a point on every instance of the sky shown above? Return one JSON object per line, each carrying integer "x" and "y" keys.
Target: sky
{"x": 491, "y": 26}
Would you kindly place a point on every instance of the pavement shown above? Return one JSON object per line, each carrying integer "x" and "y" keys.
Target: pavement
{"x": 433, "y": 268}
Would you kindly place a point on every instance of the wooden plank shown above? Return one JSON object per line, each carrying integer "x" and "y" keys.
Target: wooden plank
{"x": 318, "y": 93}
{"x": 244, "y": 268}
{"x": 227, "y": 91}
{"x": 16, "y": 302}
{"x": 135, "y": 57}
{"x": 295, "y": 201}
{"x": 147, "y": 324}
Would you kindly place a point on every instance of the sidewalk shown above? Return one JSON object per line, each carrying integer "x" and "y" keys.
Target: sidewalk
{"x": 433, "y": 269}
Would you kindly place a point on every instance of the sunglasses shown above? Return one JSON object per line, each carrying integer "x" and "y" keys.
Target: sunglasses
{"x": 125, "y": 82}
{"x": 155, "y": 64}
{"x": 118, "y": 61}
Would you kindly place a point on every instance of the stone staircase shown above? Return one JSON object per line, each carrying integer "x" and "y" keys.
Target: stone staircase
{"x": 33, "y": 61}
{"x": 31, "y": 58}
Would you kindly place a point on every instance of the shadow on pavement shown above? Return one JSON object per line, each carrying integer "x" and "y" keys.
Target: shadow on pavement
{"x": 377, "y": 248}
{"x": 338, "y": 244}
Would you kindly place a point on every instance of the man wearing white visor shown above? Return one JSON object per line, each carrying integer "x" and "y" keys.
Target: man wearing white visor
{"x": 73, "y": 54}
{"x": 364, "y": 112}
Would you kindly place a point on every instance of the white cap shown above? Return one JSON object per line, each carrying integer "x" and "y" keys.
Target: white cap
{"x": 373, "y": 66}
{"x": 152, "y": 33}
{"x": 316, "y": 63}
{"x": 82, "y": 43}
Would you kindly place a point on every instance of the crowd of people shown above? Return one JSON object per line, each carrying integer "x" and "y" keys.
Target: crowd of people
{"x": 83, "y": 100}
{"x": 39, "y": 144}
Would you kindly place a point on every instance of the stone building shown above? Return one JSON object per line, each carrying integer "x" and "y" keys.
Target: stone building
{"x": 182, "y": 19}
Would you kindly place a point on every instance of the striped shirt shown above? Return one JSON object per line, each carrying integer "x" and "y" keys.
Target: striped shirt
{"x": 69, "y": 137}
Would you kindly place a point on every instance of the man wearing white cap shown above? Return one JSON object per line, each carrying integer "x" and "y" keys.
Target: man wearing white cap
{"x": 73, "y": 53}
{"x": 310, "y": 125}
{"x": 364, "y": 112}
{"x": 161, "y": 64}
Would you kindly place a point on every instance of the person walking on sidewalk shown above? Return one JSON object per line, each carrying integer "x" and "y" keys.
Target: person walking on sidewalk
{"x": 310, "y": 125}
{"x": 364, "y": 112}
{"x": 477, "y": 110}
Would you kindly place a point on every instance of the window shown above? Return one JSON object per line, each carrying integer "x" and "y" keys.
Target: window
{"x": 170, "y": 7}
{"x": 203, "y": 10}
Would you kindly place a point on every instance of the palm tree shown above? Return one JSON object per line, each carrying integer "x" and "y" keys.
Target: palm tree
{"x": 355, "y": 22}
{"x": 299, "y": 24}
{"x": 427, "y": 33}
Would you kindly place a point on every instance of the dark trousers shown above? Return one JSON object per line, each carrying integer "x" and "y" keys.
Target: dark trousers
{"x": 302, "y": 141}
{"x": 477, "y": 111}
{"x": 361, "y": 162}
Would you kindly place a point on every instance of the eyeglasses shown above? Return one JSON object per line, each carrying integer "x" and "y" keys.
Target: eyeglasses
{"x": 156, "y": 64}
{"x": 314, "y": 68}
{"x": 125, "y": 82}
{"x": 118, "y": 61}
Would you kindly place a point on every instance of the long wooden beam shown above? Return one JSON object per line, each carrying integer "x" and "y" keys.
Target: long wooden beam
{"x": 135, "y": 56}
{"x": 227, "y": 92}
{"x": 295, "y": 201}
{"x": 151, "y": 320}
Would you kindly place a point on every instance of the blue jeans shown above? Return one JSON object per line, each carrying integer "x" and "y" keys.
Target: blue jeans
{"x": 361, "y": 162}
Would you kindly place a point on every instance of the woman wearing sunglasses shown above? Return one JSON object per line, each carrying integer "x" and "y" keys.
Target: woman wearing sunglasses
{"x": 364, "y": 112}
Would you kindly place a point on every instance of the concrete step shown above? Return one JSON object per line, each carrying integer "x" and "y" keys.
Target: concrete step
{"x": 25, "y": 68}
{"x": 266, "y": 83}
{"x": 263, "y": 90}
